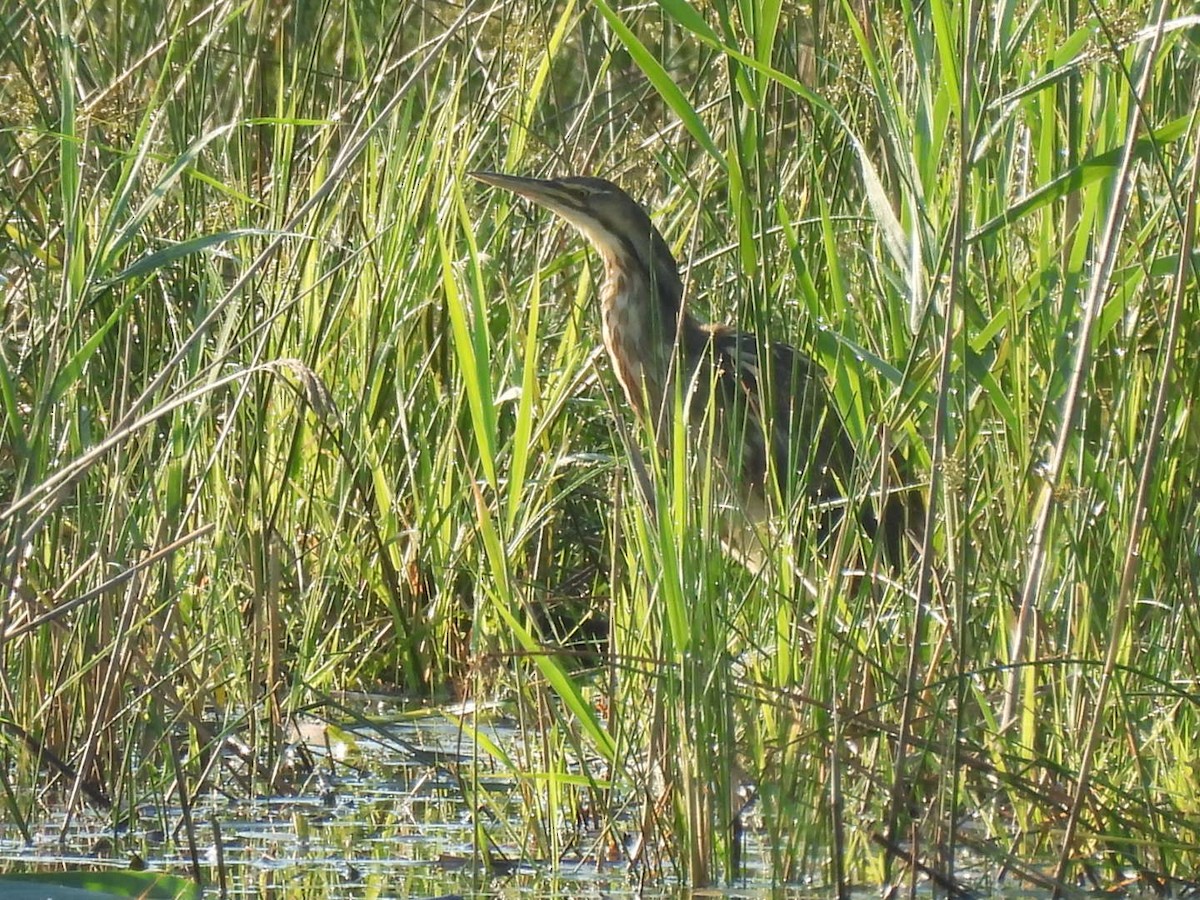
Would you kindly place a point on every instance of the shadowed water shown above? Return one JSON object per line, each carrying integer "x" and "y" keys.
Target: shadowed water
{"x": 375, "y": 803}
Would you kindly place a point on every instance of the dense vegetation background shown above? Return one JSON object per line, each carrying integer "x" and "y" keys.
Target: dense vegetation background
{"x": 288, "y": 405}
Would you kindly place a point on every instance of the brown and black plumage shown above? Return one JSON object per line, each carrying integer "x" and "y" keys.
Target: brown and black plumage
{"x": 776, "y": 431}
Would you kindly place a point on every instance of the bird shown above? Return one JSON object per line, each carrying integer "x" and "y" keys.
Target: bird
{"x": 777, "y": 434}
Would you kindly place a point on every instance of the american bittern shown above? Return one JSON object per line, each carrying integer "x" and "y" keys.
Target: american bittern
{"x": 777, "y": 431}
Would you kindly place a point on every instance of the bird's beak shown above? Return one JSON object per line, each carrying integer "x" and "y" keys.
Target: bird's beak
{"x": 565, "y": 200}
{"x": 526, "y": 187}
{"x": 553, "y": 195}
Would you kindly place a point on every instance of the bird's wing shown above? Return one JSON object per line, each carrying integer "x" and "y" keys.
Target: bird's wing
{"x": 780, "y": 414}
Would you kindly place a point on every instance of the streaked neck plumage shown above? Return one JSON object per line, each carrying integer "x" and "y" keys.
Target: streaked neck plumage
{"x": 642, "y": 315}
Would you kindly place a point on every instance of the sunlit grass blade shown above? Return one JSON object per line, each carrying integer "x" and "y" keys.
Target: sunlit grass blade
{"x": 1089, "y": 171}
{"x": 663, "y": 83}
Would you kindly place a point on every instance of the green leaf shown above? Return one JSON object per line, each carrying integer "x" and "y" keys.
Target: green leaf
{"x": 1089, "y": 171}
{"x": 472, "y": 346}
{"x": 161, "y": 258}
{"x": 73, "y": 368}
{"x": 663, "y": 83}
{"x": 159, "y": 192}
{"x": 533, "y": 98}
{"x": 95, "y": 885}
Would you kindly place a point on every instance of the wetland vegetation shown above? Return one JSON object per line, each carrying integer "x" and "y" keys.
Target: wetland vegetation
{"x": 290, "y": 408}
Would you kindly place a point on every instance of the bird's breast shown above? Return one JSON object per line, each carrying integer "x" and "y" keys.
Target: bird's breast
{"x": 631, "y": 342}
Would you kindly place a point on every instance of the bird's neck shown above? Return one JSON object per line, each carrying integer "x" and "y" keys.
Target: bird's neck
{"x": 643, "y": 318}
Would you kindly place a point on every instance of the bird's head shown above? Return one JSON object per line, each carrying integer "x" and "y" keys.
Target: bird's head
{"x": 618, "y": 227}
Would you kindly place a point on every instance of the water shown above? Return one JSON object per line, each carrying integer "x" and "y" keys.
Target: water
{"x": 375, "y": 808}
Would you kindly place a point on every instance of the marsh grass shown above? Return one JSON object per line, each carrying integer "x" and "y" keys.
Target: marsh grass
{"x": 290, "y": 406}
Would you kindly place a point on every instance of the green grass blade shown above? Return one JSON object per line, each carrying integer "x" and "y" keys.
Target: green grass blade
{"x": 663, "y": 83}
